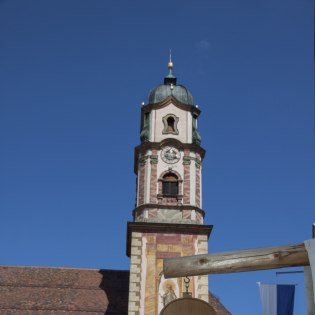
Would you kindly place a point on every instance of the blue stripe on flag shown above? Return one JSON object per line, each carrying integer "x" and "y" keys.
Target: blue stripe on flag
{"x": 277, "y": 299}
{"x": 285, "y": 299}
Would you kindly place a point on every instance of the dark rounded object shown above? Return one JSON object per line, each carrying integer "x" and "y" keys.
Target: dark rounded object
{"x": 188, "y": 306}
{"x": 161, "y": 92}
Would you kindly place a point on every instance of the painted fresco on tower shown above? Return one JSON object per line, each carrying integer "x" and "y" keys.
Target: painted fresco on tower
{"x": 168, "y": 291}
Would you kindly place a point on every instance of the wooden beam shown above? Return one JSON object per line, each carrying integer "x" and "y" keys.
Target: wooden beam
{"x": 237, "y": 261}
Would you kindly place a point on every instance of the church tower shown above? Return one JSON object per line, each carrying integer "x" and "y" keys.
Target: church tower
{"x": 168, "y": 215}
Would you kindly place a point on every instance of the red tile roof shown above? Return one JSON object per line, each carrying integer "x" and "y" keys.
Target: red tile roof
{"x": 47, "y": 291}
{"x": 216, "y": 304}
{"x": 68, "y": 291}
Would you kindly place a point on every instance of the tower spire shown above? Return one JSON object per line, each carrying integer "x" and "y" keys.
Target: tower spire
{"x": 170, "y": 79}
{"x": 170, "y": 64}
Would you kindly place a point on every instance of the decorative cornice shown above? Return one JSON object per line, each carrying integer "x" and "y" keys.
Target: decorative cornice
{"x": 168, "y": 207}
{"x": 186, "y": 160}
{"x": 154, "y": 159}
{"x": 170, "y": 228}
{"x": 198, "y": 163}
{"x": 144, "y": 147}
{"x": 171, "y": 100}
{"x": 143, "y": 160}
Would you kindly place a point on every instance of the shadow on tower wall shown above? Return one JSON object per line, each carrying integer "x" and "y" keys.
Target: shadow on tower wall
{"x": 115, "y": 283}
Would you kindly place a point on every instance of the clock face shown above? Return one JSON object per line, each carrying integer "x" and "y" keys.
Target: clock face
{"x": 170, "y": 155}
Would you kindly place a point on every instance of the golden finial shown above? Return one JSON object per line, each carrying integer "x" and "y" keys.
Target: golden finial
{"x": 170, "y": 64}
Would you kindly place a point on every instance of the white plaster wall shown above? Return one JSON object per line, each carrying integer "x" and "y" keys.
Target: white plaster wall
{"x": 192, "y": 180}
{"x": 138, "y": 185}
{"x": 189, "y": 130}
{"x": 152, "y": 126}
{"x": 200, "y": 186}
{"x": 147, "y": 178}
{"x": 184, "y": 124}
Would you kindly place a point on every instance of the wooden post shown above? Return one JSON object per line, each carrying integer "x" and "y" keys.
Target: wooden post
{"x": 237, "y": 261}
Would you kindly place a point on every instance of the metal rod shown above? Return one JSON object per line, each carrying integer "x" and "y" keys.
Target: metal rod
{"x": 284, "y": 272}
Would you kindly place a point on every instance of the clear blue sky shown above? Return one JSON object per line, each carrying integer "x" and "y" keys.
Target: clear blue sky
{"x": 73, "y": 76}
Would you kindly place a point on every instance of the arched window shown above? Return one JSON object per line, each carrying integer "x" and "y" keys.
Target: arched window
{"x": 170, "y": 185}
{"x": 170, "y": 124}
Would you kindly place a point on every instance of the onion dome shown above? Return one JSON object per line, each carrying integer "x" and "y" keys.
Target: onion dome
{"x": 169, "y": 88}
